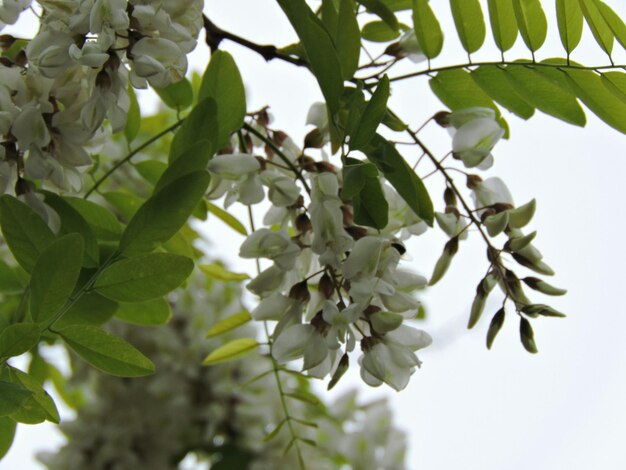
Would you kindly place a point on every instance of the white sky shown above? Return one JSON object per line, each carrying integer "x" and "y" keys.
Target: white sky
{"x": 468, "y": 407}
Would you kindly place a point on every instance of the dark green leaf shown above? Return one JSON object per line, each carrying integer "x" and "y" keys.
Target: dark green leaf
{"x": 125, "y": 202}
{"x": 150, "y": 313}
{"x": 598, "y": 98}
{"x": 73, "y": 222}
{"x": 26, "y": 234}
{"x": 232, "y": 350}
{"x": 372, "y": 116}
{"x": 532, "y": 22}
{"x": 201, "y": 121}
{"x": 494, "y": 327}
{"x": 348, "y": 39}
{"x": 470, "y": 24}
{"x": 379, "y": 31}
{"x": 527, "y": 336}
{"x": 18, "y": 338}
{"x": 104, "y": 224}
{"x": 195, "y": 158}
{"x": 143, "y": 277}
{"x": 10, "y": 280}
{"x": 7, "y": 433}
{"x": 319, "y": 49}
{"x": 133, "y": 117}
{"x": 106, "y": 352}
{"x": 503, "y": 23}
{"x": 401, "y": 176}
{"x": 493, "y": 81}
{"x": 12, "y": 396}
{"x": 381, "y": 10}
{"x": 222, "y": 83}
{"x": 398, "y": 5}
{"x": 598, "y": 25}
{"x": 39, "y": 406}
{"x": 54, "y": 277}
{"x": 90, "y": 309}
{"x": 541, "y": 93}
{"x": 177, "y": 95}
{"x": 570, "y": 20}
{"x": 163, "y": 214}
{"x": 151, "y": 170}
{"x": 427, "y": 29}
{"x": 361, "y": 183}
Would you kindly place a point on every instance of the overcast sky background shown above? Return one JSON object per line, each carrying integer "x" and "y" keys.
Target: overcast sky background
{"x": 468, "y": 407}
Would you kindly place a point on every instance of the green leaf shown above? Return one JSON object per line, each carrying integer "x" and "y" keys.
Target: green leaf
{"x": 381, "y": 10}
{"x": 177, "y": 95}
{"x": 427, "y": 29}
{"x": 125, "y": 202}
{"x": 143, "y": 277}
{"x": 598, "y": 98}
{"x": 90, "y": 309}
{"x": 150, "y": 313}
{"x": 222, "y": 83}
{"x": 229, "y": 324}
{"x": 495, "y": 326}
{"x": 227, "y": 218}
{"x": 275, "y": 431}
{"x": 319, "y": 50}
{"x": 457, "y": 90}
{"x": 372, "y": 116}
{"x": 104, "y": 224}
{"x": 133, "y": 117}
{"x": 379, "y": 31}
{"x": 39, "y": 406}
{"x": 361, "y": 183}
{"x": 7, "y": 433}
{"x": 398, "y": 5}
{"x": 26, "y": 234}
{"x": 470, "y": 24}
{"x": 201, "y": 121}
{"x": 18, "y": 338}
{"x": 597, "y": 24}
{"x": 401, "y": 176}
{"x": 615, "y": 23}
{"x": 232, "y": 350}
{"x": 532, "y": 22}
{"x": 570, "y": 20}
{"x": 503, "y": 23}
{"x": 329, "y": 15}
{"x": 106, "y": 352}
{"x": 73, "y": 222}
{"x": 219, "y": 272}
{"x": 541, "y": 93}
{"x": 164, "y": 213}
{"x": 348, "y": 39}
{"x": 151, "y": 170}
{"x": 12, "y": 397}
{"x": 10, "y": 280}
{"x": 54, "y": 277}
{"x": 527, "y": 336}
{"x": 195, "y": 158}
{"x": 493, "y": 81}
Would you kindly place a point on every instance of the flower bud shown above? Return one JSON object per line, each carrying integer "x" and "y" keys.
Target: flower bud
{"x": 542, "y": 286}
{"x": 495, "y": 326}
{"x": 326, "y": 286}
{"x": 300, "y": 291}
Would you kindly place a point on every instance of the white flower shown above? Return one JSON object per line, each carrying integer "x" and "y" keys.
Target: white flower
{"x": 10, "y": 10}
{"x": 30, "y": 128}
{"x": 489, "y": 192}
{"x": 277, "y": 246}
{"x": 474, "y": 141}
{"x": 49, "y": 52}
{"x": 409, "y": 47}
{"x": 283, "y": 191}
{"x": 91, "y": 55}
{"x": 268, "y": 282}
{"x": 160, "y": 61}
{"x": 233, "y": 166}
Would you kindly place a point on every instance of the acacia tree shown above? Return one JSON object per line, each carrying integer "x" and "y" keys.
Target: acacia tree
{"x": 98, "y": 201}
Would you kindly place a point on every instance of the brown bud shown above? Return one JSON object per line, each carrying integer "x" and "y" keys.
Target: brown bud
{"x": 269, "y": 153}
{"x": 501, "y": 206}
{"x": 262, "y": 162}
{"x": 6, "y": 62}
{"x": 395, "y": 50}
{"x": 307, "y": 163}
{"x": 21, "y": 59}
{"x": 226, "y": 150}
{"x": 278, "y": 137}
{"x": 326, "y": 286}
{"x": 328, "y": 167}
{"x": 348, "y": 217}
{"x": 103, "y": 80}
{"x": 298, "y": 204}
{"x": 300, "y": 291}
{"x": 22, "y": 186}
{"x": 314, "y": 139}
{"x": 263, "y": 118}
{"x": 441, "y": 118}
{"x": 303, "y": 223}
{"x": 10, "y": 151}
{"x": 449, "y": 197}
{"x": 6, "y": 41}
{"x": 371, "y": 309}
{"x": 473, "y": 181}
{"x": 399, "y": 247}
{"x": 320, "y": 324}
{"x": 356, "y": 232}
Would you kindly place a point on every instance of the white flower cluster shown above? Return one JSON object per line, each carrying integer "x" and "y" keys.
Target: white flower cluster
{"x": 186, "y": 408}
{"x": 56, "y": 92}
{"x": 331, "y": 283}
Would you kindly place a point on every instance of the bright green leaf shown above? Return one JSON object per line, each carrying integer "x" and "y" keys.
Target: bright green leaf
{"x": 532, "y": 22}
{"x": 493, "y": 81}
{"x": 39, "y": 405}
{"x": 361, "y": 183}
{"x": 570, "y": 20}
{"x": 143, "y": 277}
{"x": 201, "y": 121}
{"x": 219, "y": 272}
{"x": 427, "y": 29}
{"x": 106, "y": 352}
{"x": 133, "y": 117}
{"x": 177, "y": 95}
{"x": 598, "y": 25}
{"x": 229, "y": 324}
{"x": 227, "y": 218}
{"x": 104, "y": 224}
{"x": 381, "y": 10}
{"x": 151, "y": 170}
{"x": 232, "y": 350}
{"x": 503, "y": 23}
{"x": 379, "y": 31}
{"x": 372, "y": 116}
{"x": 614, "y": 22}
{"x": 470, "y": 24}
{"x": 54, "y": 277}
{"x": 124, "y": 201}
{"x": 195, "y": 158}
